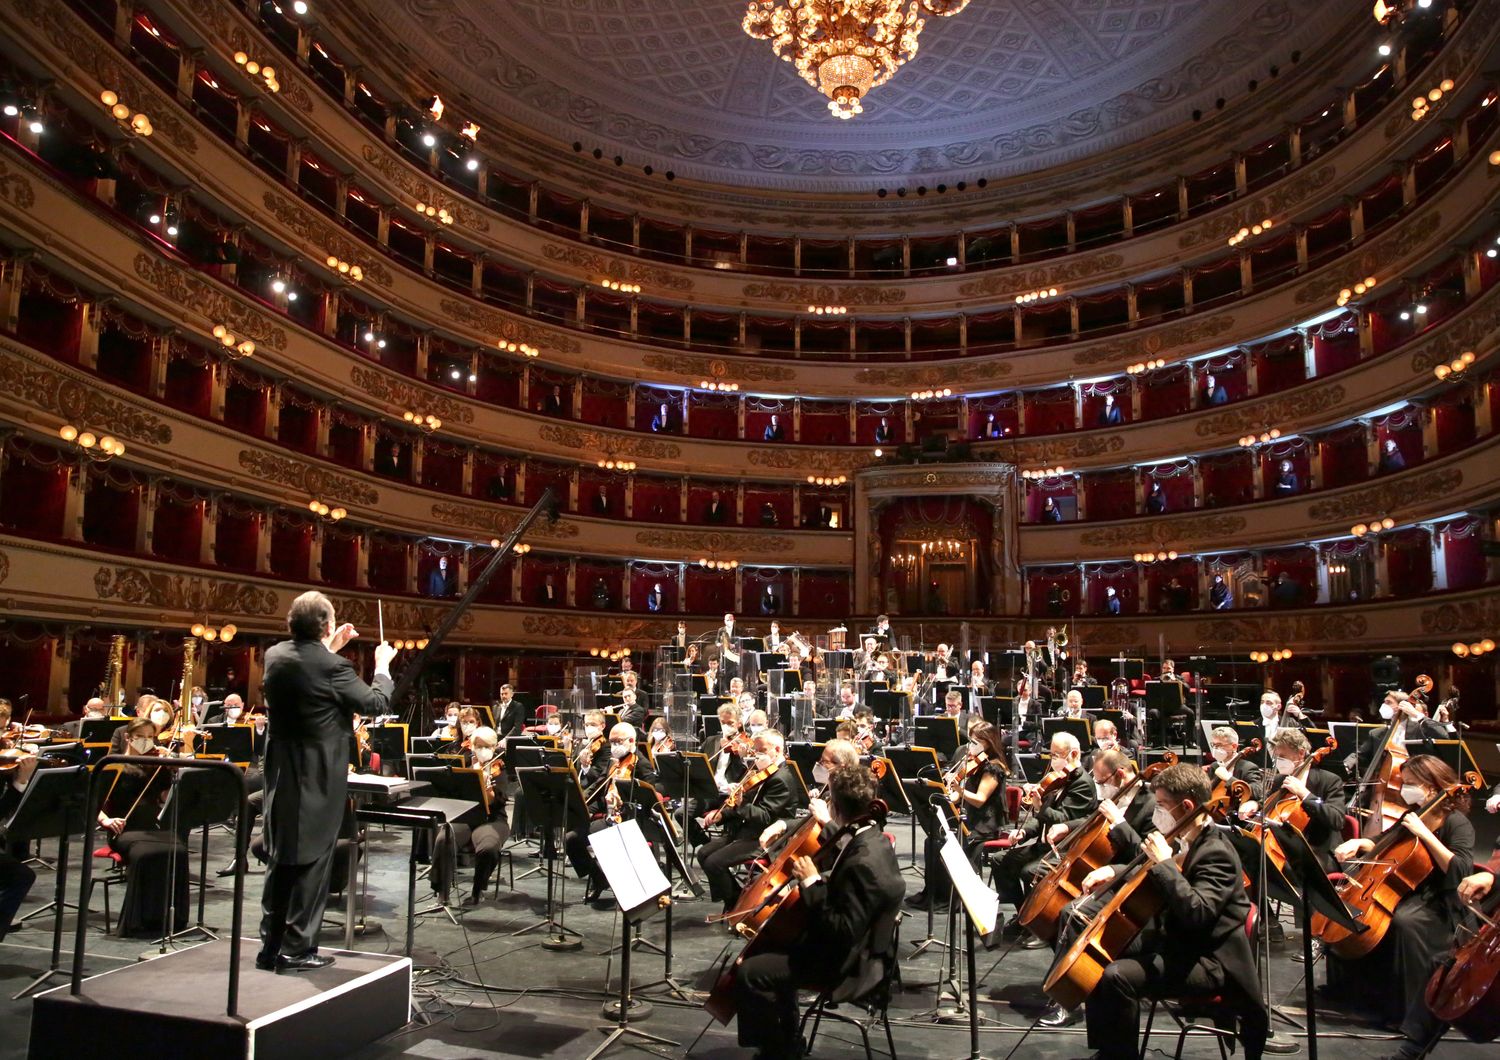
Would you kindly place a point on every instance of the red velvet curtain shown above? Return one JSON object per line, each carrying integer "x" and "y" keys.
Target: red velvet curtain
{"x": 291, "y": 547}
{"x": 1107, "y": 495}
{"x": 825, "y": 423}
{"x": 709, "y": 592}
{"x": 387, "y": 564}
{"x": 1227, "y": 479}
{"x": 657, "y": 500}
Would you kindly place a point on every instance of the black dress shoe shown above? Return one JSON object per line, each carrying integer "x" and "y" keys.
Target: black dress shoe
{"x": 470, "y": 900}
{"x": 1031, "y": 942}
{"x": 301, "y": 962}
{"x": 265, "y": 961}
{"x": 1011, "y": 931}
{"x": 918, "y": 900}
{"x": 1057, "y": 1016}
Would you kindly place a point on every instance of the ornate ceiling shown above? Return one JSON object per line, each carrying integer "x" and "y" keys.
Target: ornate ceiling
{"x": 1008, "y": 86}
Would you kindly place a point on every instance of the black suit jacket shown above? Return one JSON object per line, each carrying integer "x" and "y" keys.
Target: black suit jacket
{"x": 1077, "y": 798}
{"x": 510, "y": 719}
{"x": 773, "y": 799}
{"x": 715, "y": 513}
{"x": 859, "y": 894}
{"x": 598, "y": 769}
{"x": 311, "y": 696}
{"x": 1324, "y": 806}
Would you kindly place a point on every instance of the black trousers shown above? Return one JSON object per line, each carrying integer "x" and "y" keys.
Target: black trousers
{"x": 717, "y": 857}
{"x": 16, "y": 879}
{"x": 1113, "y": 1010}
{"x": 292, "y": 905}
{"x": 576, "y": 846}
{"x": 1014, "y": 869}
{"x": 765, "y": 1002}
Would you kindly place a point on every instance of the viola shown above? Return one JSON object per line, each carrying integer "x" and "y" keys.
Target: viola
{"x": 1465, "y": 988}
{"x": 1081, "y": 853}
{"x": 1395, "y": 868}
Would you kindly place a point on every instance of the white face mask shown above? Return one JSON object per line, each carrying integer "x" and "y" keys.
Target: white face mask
{"x": 820, "y": 774}
{"x": 1268, "y": 711}
{"x": 1222, "y": 754}
{"x": 1387, "y": 711}
{"x": 141, "y": 745}
{"x": 468, "y": 728}
{"x": 619, "y": 750}
{"x": 452, "y": 720}
{"x": 762, "y": 761}
{"x": 1108, "y": 743}
{"x": 1059, "y": 765}
{"x": 1108, "y": 791}
{"x": 233, "y": 713}
{"x": 197, "y": 701}
{"x": 1285, "y": 766}
{"x": 657, "y": 735}
{"x": 483, "y": 754}
{"x": 1412, "y": 794}
{"x": 160, "y": 718}
{"x": 553, "y": 728}
{"x": 593, "y": 731}
{"x": 725, "y": 732}
{"x": 1162, "y": 820}
{"x": 756, "y": 730}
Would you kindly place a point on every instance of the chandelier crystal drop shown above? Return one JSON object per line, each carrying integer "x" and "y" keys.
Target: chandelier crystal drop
{"x": 845, "y": 48}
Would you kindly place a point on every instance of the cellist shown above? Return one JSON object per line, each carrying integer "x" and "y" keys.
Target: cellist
{"x": 1320, "y": 793}
{"x": 1197, "y": 944}
{"x": 1424, "y": 921}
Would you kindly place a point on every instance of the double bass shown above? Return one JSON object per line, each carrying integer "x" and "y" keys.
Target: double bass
{"x": 1082, "y": 852}
{"x": 1394, "y": 869}
{"x": 1379, "y": 791}
{"x": 1465, "y": 989}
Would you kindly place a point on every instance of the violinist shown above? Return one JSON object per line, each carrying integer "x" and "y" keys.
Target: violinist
{"x": 659, "y": 739}
{"x": 16, "y": 877}
{"x": 865, "y": 737}
{"x": 1196, "y": 944}
{"x": 727, "y": 748}
{"x": 147, "y": 708}
{"x": 132, "y": 802}
{"x": 593, "y": 742}
{"x": 976, "y": 789}
{"x": 485, "y": 838}
{"x": 766, "y": 794}
{"x": 360, "y": 751}
{"x": 1293, "y": 775}
{"x": 850, "y": 894}
{"x": 1395, "y": 974}
{"x": 447, "y": 727}
{"x": 1223, "y": 745}
{"x": 607, "y": 806}
{"x": 1069, "y": 795}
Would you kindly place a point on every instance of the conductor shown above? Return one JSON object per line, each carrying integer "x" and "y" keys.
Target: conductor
{"x": 311, "y": 695}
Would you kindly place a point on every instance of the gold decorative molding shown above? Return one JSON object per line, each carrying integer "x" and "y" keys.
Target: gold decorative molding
{"x": 602, "y": 443}
{"x": 695, "y": 542}
{"x": 179, "y": 592}
{"x": 326, "y": 238}
{"x": 601, "y": 265}
{"x": 1065, "y": 449}
{"x": 498, "y": 522}
{"x": 1468, "y": 617}
{"x": 308, "y": 478}
{"x": 806, "y": 294}
{"x": 1274, "y": 205}
{"x": 1063, "y": 272}
{"x": 398, "y": 614}
{"x": 1133, "y": 347}
{"x": 1284, "y": 629}
{"x": 1281, "y": 411}
{"x": 806, "y": 458}
{"x": 949, "y": 476}
{"x": 497, "y": 325}
{"x": 696, "y": 367}
{"x": 613, "y": 630}
{"x": 79, "y": 402}
{"x": 1471, "y": 331}
{"x": 395, "y": 171}
{"x": 16, "y": 189}
{"x": 4, "y": 567}
{"x": 89, "y": 52}
{"x": 206, "y": 299}
{"x": 1186, "y": 530}
{"x": 1395, "y": 496}
{"x": 917, "y": 377}
{"x": 1374, "y": 259}
{"x": 410, "y": 395}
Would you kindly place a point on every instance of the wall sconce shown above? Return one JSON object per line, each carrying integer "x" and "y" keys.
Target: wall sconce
{"x": 828, "y": 310}
{"x": 623, "y": 288}
{"x": 1420, "y": 104}
{"x": 323, "y": 511}
{"x": 611, "y": 464}
{"x": 1036, "y": 296}
{"x": 1141, "y": 367}
{"x": 136, "y": 124}
{"x": 425, "y": 423}
{"x": 209, "y": 633}
{"x": 1263, "y": 438}
{"x": 1245, "y": 233}
{"x": 722, "y": 388}
{"x": 440, "y": 213}
{"x": 931, "y": 395}
{"x": 236, "y": 346}
{"x": 1046, "y": 472}
{"x": 99, "y": 449}
{"x": 1374, "y": 526}
{"x": 267, "y": 73}
{"x": 343, "y": 268}
{"x": 1154, "y": 557}
{"x": 1362, "y": 287}
{"x": 1478, "y": 648}
{"x": 1455, "y": 368}
{"x": 518, "y": 347}
{"x": 1272, "y": 656}
{"x": 825, "y": 480}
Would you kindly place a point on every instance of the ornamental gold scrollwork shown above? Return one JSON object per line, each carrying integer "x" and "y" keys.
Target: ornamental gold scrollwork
{"x": 805, "y": 459}
{"x": 957, "y": 477}
{"x": 1374, "y": 259}
{"x": 179, "y": 592}
{"x": 825, "y": 294}
{"x": 1468, "y": 332}
{"x": 918, "y": 377}
{"x": 1047, "y": 450}
{"x": 78, "y": 402}
{"x": 1127, "y": 348}
{"x": 325, "y": 237}
{"x": 1284, "y": 411}
{"x": 1401, "y": 494}
{"x": 1284, "y": 629}
{"x": 614, "y": 444}
{"x": 210, "y": 302}
{"x": 498, "y": 522}
{"x": 405, "y": 395}
{"x": 16, "y": 189}
{"x": 600, "y": 264}
{"x": 497, "y": 325}
{"x": 695, "y": 542}
{"x": 1274, "y": 205}
{"x": 716, "y": 368}
{"x": 613, "y": 630}
{"x": 306, "y": 478}
{"x": 397, "y": 614}
{"x": 4, "y": 567}
{"x": 394, "y": 170}
{"x": 1466, "y": 617}
{"x": 1185, "y": 530}
{"x": 1013, "y": 283}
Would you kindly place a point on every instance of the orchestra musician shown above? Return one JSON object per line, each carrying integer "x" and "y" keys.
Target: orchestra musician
{"x": 850, "y": 902}
{"x": 865, "y": 658}
{"x": 311, "y": 693}
{"x": 1072, "y": 706}
{"x": 977, "y": 683}
{"x": 484, "y": 838}
{"x": 865, "y": 737}
{"x": 1394, "y": 975}
{"x": 1224, "y": 744}
{"x": 622, "y": 763}
{"x": 447, "y": 728}
{"x": 659, "y": 739}
{"x": 1197, "y": 944}
{"x": 953, "y": 707}
{"x": 1276, "y": 715}
{"x": 1069, "y": 796}
{"x": 16, "y": 877}
{"x": 1106, "y": 738}
{"x": 767, "y": 793}
{"x": 848, "y": 701}
{"x": 729, "y": 649}
{"x": 1320, "y": 792}
{"x": 838, "y": 753}
{"x": 942, "y": 663}
{"x": 979, "y": 796}
{"x": 510, "y": 715}
{"x": 1081, "y": 678}
{"x": 883, "y": 627}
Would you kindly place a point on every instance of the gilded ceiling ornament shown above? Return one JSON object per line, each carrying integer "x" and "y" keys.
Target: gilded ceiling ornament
{"x": 1285, "y": 411}
{"x": 1400, "y": 494}
{"x": 178, "y": 592}
{"x": 396, "y": 391}
{"x": 307, "y": 478}
{"x": 79, "y": 400}
{"x": 1132, "y": 347}
{"x": 202, "y": 297}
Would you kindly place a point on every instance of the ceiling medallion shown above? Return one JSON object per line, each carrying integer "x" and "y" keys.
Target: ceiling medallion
{"x": 844, "y": 48}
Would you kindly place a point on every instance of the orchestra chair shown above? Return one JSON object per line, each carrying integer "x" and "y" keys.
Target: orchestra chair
{"x": 1187, "y": 1011}
{"x": 870, "y": 988}
{"x": 1012, "y": 814}
{"x": 116, "y": 874}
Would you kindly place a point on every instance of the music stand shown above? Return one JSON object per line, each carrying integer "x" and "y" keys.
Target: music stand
{"x": 196, "y": 800}
{"x": 1168, "y": 699}
{"x": 982, "y": 910}
{"x": 644, "y": 797}
{"x": 997, "y": 710}
{"x": 1093, "y": 697}
{"x": 910, "y": 764}
{"x": 685, "y": 775}
{"x": 939, "y": 733}
{"x": 235, "y": 742}
{"x": 825, "y": 729}
{"x": 53, "y": 806}
{"x": 556, "y": 801}
{"x": 99, "y": 730}
{"x": 1082, "y": 729}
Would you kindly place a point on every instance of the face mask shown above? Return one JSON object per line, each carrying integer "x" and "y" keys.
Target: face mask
{"x": 657, "y": 736}
{"x": 756, "y": 730}
{"x": 1162, "y": 820}
{"x": 483, "y": 754}
{"x": 553, "y": 728}
{"x": 197, "y": 701}
{"x": 592, "y": 731}
{"x": 1285, "y": 766}
{"x": 762, "y": 761}
{"x": 233, "y": 713}
{"x": 1222, "y": 755}
{"x": 725, "y": 731}
{"x": 141, "y": 746}
{"x": 820, "y": 774}
{"x": 1108, "y": 743}
{"x": 619, "y": 750}
{"x": 1268, "y": 711}
{"x": 160, "y": 718}
{"x": 452, "y": 720}
{"x": 1412, "y": 794}
{"x": 1108, "y": 791}
{"x": 1387, "y": 712}
{"x": 1059, "y": 765}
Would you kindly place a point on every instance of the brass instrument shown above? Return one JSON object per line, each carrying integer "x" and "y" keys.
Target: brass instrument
{"x": 113, "y": 689}
{"x": 187, "y": 732}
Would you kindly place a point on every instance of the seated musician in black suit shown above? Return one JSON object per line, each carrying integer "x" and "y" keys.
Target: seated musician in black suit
{"x": 1321, "y": 793}
{"x": 16, "y": 877}
{"x": 623, "y": 762}
{"x": 768, "y": 793}
{"x": 1224, "y": 744}
{"x": 1069, "y": 798}
{"x": 850, "y": 894}
{"x": 1196, "y": 944}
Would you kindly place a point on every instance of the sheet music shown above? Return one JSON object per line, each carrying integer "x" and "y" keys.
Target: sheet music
{"x": 981, "y": 901}
{"x": 628, "y": 864}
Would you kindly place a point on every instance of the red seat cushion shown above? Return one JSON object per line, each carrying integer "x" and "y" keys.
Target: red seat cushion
{"x": 106, "y": 852}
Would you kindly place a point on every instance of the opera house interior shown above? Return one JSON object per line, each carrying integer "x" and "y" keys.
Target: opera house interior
{"x": 827, "y": 375}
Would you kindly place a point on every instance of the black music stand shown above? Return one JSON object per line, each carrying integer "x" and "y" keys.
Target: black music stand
{"x": 235, "y": 742}
{"x": 1082, "y": 729}
{"x": 896, "y": 799}
{"x": 555, "y": 802}
{"x": 196, "y": 800}
{"x": 685, "y": 775}
{"x": 825, "y": 729}
{"x": 646, "y": 801}
{"x": 54, "y": 806}
{"x": 805, "y": 755}
{"x": 99, "y": 730}
{"x": 1093, "y": 697}
{"x": 1168, "y": 699}
{"x": 940, "y": 733}
{"x": 910, "y": 764}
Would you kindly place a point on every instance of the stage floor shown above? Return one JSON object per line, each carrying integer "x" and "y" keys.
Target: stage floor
{"x": 547, "y": 1004}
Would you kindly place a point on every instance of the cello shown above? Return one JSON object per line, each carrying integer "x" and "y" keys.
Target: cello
{"x": 1288, "y": 810}
{"x": 1081, "y": 853}
{"x": 1465, "y": 989}
{"x": 1394, "y": 869}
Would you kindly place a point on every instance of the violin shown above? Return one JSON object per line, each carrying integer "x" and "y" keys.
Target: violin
{"x": 738, "y": 792}
{"x": 1032, "y": 797}
{"x": 1395, "y": 868}
{"x": 1465, "y": 988}
{"x": 1081, "y": 853}
{"x": 962, "y": 770}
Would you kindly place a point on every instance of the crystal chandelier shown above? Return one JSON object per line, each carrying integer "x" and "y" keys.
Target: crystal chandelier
{"x": 844, "y": 48}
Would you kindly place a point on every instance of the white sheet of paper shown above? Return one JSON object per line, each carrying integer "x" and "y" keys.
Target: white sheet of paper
{"x": 981, "y": 901}
{"x": 628, "y": 864}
